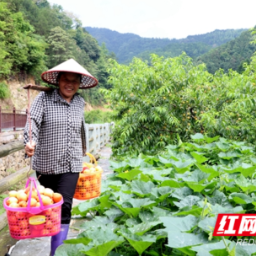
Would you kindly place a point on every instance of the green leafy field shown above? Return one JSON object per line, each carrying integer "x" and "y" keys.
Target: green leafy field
{"x": 167, "y": 204}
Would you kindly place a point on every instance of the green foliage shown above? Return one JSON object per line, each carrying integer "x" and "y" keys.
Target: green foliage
{"x": 61, "y": 46}
{"x": 97, "y": 117}
{"x": 4, "y": 90}
{"x": 153, "y": 104}
{"x": 167, "y": 204}
{"x": 22, "y": 50}
{"x": 2, "y": 197}
{"x": 36, "y": 36}
{"x": 126, "y": 46}
{"x": 231, "y": 55}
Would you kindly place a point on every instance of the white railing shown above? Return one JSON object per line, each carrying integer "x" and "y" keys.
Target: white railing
{"x": 97, "y": 136}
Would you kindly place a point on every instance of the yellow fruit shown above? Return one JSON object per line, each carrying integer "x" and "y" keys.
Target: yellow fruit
{"x": 11, "y": 200}
{"x": 48, "y": 192}
{"x": 13, "y": 193}
{"x": 22, "y": 196}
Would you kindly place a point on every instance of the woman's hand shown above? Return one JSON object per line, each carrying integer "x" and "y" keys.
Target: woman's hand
{"x": 30, "y": 148}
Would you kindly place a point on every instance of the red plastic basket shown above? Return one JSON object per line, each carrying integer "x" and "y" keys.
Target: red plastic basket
{"x": 88, "y": 184}
{"x": 31, "y": 222}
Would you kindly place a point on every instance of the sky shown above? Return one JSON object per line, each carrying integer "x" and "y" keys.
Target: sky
{"x": 163, "y": 18}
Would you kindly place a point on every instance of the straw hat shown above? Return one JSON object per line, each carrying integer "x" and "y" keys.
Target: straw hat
{"x": 87, "y": 81}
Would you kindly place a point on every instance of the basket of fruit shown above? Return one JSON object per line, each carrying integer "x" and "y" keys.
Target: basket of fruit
{"x": 89, "y": 181}
{"x": 33, "y": 212}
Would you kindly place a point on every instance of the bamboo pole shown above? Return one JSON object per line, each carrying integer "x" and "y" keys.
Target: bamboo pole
{"x": 38, "y": 88}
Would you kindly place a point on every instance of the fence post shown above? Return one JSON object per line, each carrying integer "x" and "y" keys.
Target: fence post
{"x": 14, "y": 119}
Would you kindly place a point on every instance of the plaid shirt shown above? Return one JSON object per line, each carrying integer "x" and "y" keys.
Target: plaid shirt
{"x": 58, "y": 129}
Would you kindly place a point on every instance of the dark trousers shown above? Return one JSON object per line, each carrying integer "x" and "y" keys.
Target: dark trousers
{"x": 65, "y": 184}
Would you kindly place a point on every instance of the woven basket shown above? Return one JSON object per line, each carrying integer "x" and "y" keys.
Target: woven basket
{"x": 89, "y": 181}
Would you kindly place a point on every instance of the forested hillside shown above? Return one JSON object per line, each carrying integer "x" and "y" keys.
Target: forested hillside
{"x": 126, "y": 46}
{"x": 231, "y": 55}
{"x": 36, "y": 36}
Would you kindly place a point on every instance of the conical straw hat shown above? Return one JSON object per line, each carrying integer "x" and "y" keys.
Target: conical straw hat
{"x": 87, "y": 81}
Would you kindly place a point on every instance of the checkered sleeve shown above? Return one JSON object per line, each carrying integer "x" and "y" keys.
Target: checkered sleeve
{"x": 36, "y": 114}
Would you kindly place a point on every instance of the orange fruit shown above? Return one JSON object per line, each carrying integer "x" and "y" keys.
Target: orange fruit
{"x": 56, "y": 197}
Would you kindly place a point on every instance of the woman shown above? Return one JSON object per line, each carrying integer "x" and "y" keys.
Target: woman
{"x": 58, "y": 136}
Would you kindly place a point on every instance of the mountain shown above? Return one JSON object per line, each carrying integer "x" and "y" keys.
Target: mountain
{"x": 128, "y": 45}
{"x": 231, "y": 55}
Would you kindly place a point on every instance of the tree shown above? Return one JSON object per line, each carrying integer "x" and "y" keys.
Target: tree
{"x": 172, "y": 98}
{"x": 61, "y": 47}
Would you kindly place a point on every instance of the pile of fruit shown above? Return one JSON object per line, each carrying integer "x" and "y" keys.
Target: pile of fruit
{"x": 20, "y": 198}
{"x": 89, "y": 182}
{"x": 24, "y": 224}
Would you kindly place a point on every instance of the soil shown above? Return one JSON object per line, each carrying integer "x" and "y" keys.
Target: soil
{"x": 18, "y": 95}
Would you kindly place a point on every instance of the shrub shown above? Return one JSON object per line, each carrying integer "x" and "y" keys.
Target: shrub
{"x": 98, "y": 117}
{"x": 4, "y": 91}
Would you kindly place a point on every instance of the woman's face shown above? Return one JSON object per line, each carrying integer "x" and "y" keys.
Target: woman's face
{"x": 69, "y": 84}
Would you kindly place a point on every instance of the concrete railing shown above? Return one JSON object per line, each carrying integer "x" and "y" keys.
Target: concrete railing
{"x": 97, "y": 136}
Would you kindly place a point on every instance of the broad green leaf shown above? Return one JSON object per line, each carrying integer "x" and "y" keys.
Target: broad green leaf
{"x": 103, "y": 240}
{"x": 229, "y": 155}
{"x": 188, "y": 201}
{"x": 99, "y": 221}
{"x": 181, "y": 166}
{"x": 141, "y": 188}
{"x": 199, "y": 157}
{"x": 195, "y": 176}
{"x": 153, "y": 214}
{"x": 136, "y": 162}
{"x": 223, "y": 145}
{"x": 105, "y": 202}
{"x": 196, "y": 187}
{"x": 182, "y": 240}
{"x": 246, "y": 249}
{"x": 216, "y": 209}
{"x": 79, "y": 240}
{"x": 207, "y": 248}
{"x": 159, "y": 194}
{"x": 197, "y": 136}
{"x": 139, "y": 243}
{"x": 103, "y": 249}
{"x": 143, "y": 227}
{"x": 69, "y": 250}
{"x": 118, "y": 166}
{"x": 130, "y": 175}
{"x": 246, "y": 185}
{"x": 105, "y": 185}
{"x": 181, "y": 193}
{"x": 133, "y": 206}
{"x": 114, "y": 212}
{"x": 210, "y": 170}
{"x": 173, "y": 183}
{"x": 179, "y": 224}
{"x": 86, "y": 206}
{"x": 219, "y": 198}
{"x": 246, "y": 169}
{"x": 240, "y": 198}
{"x": 207, "y": 224}
{"x": 157, "y": 175}
{"x": 210, "y": 140}
{"x": 194, "y": 210}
